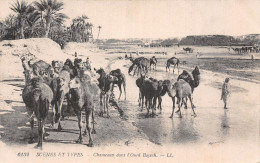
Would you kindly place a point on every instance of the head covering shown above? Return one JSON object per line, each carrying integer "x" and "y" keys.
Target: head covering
{"x": 227, "y": 80}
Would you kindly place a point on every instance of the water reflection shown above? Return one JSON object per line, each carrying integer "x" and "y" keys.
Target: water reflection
{"x": 224, "y": 124}
{"x": 184, "y": 131}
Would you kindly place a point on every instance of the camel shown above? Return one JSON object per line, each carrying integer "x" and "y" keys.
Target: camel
{"x": 153, "y": 61}
{"x": 190, "y": 50}
{"x": 121, "y": 80}
{"x": 150, "y": 90}
{"x": 139, "y": 82}
{"x": 105, "y": 84}
{"x": 82, "y": 100}
{"x": 193, "y": 82}
{"x": 60, "y": 89}
{"x": 172, "y": 61}
{"x": 141, "y": 63}
{"x": 238, "y": 50}
{"x": 57, "y": 66}
{"x": 37, "y": 97}
{"x": 40, "y": 67}
{"x": 180, "y": 89}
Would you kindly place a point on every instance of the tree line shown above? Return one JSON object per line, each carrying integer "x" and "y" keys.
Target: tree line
{"x": 44, "y": 18}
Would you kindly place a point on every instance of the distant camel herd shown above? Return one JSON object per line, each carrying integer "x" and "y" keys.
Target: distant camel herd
{"x": 250, "y": 49}
{"x": 50, "y": 84}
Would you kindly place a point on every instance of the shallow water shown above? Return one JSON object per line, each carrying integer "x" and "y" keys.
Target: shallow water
{"x": 213, "y": 124}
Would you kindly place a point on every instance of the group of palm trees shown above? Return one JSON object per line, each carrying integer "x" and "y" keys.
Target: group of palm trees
{"x": 43, "y": 18}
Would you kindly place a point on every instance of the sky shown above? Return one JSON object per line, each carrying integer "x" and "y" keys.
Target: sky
{"x": 162, "y": 19}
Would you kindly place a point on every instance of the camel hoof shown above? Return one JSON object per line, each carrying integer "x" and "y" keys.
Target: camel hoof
{"x": 185, "y": 107}
{"x": 90, "y": 144}
{"x": 38, "y": 147}
{"x": 171, "y": 116}
{"x": 180, "y": 116}
{"x": 195, "y": 115}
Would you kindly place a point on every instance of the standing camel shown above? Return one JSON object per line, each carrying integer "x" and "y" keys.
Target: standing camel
{"x": 180, "y": 89}
{"x": 121, "y": 80}
{"x": 153, "y": 61}
{"x": 190, "y": 50}
{"x": 82, "y": 100}
{"x": 141, "y": 63}
{"x": 37, "y": 97}
{"x": 193, "y": 82}
{"x": 172, "y": 61}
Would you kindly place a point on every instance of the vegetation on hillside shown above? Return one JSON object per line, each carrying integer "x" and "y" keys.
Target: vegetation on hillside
{"x": 44, "y": 18}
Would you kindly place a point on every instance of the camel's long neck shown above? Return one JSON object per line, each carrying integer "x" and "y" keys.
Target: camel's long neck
{"x": 171, "y": 91}
{"x": 196, "y": 80}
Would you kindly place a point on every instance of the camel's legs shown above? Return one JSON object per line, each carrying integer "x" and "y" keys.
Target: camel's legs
{"x": 147, "y": 107}
{"x": 120, "y": 90}
{"x": 179, "y": 105}
{"x": 40, "y": 131}
{"x": 101, "y": 104}
{"x": 173, "y": 106}
{"x": 79, "y": 115}
{"x": 192, "y": 106}
{"x": 107, "y": 101}
{"x": 124, "y": 85}
{"x": 93, "y": 121}
{"x": 88, "y": 126}
{"x": 31, "y": 124}
{"x": 160, "y": 104}
{"x": 142, "y": 100}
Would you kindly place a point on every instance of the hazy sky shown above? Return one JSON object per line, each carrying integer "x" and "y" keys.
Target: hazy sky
{"x": 163, "y": 19}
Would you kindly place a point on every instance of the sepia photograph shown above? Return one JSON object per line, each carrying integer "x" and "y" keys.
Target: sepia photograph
{"x": 130, "y": 81}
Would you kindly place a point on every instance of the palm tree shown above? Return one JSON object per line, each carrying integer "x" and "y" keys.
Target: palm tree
{"x": 82, "y": 19}
{"x": 49, "y": 11}
{"x": 33, "y": 22}
{"x": 99, "y": 27}
{"x": 23, "y": 11}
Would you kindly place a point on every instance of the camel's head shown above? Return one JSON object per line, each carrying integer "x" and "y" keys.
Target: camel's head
{"x": 115, "y": 72}
{"x": 196, "y": 73}
{"x": 74, "y": 83}
{"x": 111, "y": 78}
{"x": 69, "y": 63}
{"x": 168, "y": 87}
{"x": 100, "y": 71}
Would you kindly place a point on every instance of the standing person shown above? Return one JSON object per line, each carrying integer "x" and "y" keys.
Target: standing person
{"x": 88, "y": 63}
{"x": 225, "y": 92}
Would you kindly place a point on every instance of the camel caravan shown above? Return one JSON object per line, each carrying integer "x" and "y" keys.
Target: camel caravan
{"x": 248, "y": 49}
{"x": 49, "y": 86}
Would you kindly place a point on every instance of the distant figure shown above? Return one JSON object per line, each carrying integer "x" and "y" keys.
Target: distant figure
{"x": 88, "y": 63}
{"x": 76, "y": 55}
{"x": 252, "y": 57}
{"x": 225, "y": 92}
